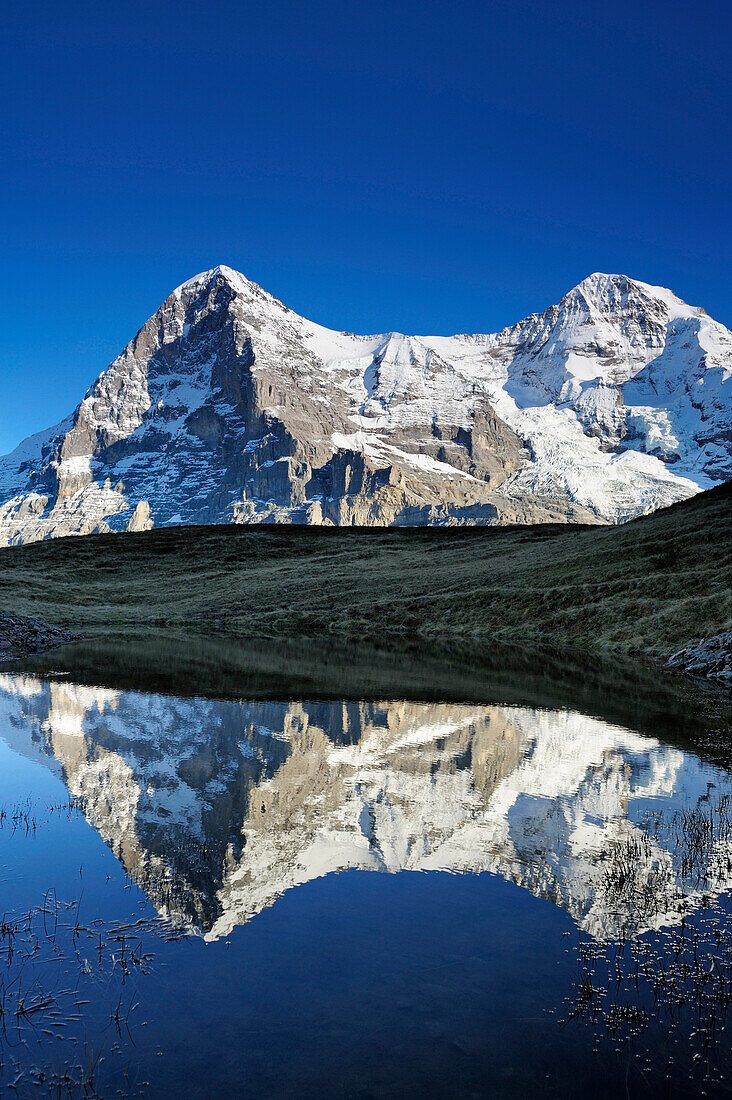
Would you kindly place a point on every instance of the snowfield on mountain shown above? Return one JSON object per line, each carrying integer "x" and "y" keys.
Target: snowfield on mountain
{"x": 227, "y": 407}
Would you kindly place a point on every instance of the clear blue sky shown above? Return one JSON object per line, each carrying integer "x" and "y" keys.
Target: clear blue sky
{"x": 426, "y": 167}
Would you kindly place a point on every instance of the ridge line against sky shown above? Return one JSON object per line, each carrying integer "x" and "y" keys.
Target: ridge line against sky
{"x": 424, "y": 167}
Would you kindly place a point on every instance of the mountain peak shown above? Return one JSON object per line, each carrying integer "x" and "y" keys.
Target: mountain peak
{"x": 205, "y": 278}
{"x": 601, "y": 283}
{"x": 201, "y": 286}
{"x": 229, "y": 407}
{"x": 609, "y": 291}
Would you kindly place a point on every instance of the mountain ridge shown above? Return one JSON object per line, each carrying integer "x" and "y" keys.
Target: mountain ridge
{"x": 227, "y": 406}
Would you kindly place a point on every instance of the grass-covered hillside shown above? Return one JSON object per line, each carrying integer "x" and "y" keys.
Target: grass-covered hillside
{"x": 647, "y": 587}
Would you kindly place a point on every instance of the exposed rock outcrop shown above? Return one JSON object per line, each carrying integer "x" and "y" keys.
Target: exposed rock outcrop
{"x": 141, "y": 518}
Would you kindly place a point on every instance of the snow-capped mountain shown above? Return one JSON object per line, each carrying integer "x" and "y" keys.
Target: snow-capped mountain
{"x": 229, "y": 407}
{"x": 216, "y": 808}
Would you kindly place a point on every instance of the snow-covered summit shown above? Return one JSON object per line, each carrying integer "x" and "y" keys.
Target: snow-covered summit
{"x": 229, "y": 407}
{"x": 605, "y": 293}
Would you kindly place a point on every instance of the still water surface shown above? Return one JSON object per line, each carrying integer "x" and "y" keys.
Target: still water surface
{"x": 206, "y": 897}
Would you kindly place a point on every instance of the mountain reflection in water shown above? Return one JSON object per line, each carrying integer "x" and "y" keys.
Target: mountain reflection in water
{"x": 216, "y": 808}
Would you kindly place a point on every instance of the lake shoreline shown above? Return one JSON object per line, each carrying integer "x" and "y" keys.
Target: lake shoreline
{"x": 706, "y": 663}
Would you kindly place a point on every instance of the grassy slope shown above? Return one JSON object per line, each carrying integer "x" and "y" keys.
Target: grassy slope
{"x": 647, "y": 587}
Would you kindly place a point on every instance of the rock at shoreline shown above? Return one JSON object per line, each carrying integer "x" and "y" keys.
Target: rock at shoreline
{"x": 710, "y": 657}
{"x": 20, "y": 636}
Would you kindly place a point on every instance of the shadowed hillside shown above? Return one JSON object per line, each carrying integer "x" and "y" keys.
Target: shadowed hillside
{"x": 648, "y": 587}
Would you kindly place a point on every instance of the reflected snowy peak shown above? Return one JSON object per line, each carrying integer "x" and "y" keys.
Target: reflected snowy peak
{"x": 216, "y": 808}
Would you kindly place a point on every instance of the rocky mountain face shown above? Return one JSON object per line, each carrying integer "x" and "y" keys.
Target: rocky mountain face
{"x": 216, "y": 808}
{"x": 227, "y": 407}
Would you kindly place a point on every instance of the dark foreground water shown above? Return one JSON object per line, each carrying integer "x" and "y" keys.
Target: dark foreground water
{"x": 216, "y": 897}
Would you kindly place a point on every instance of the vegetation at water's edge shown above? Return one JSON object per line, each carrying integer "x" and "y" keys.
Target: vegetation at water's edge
{"x": 648, "y": 587}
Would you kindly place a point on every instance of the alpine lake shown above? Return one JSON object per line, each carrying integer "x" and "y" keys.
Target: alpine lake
{"x": 309, "y": 871}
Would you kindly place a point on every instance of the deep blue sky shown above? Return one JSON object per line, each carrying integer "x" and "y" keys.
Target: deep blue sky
{"x": 427, "y": 167}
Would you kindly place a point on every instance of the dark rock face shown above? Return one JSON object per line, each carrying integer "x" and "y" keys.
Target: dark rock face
{"x": 229, "y": 407}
